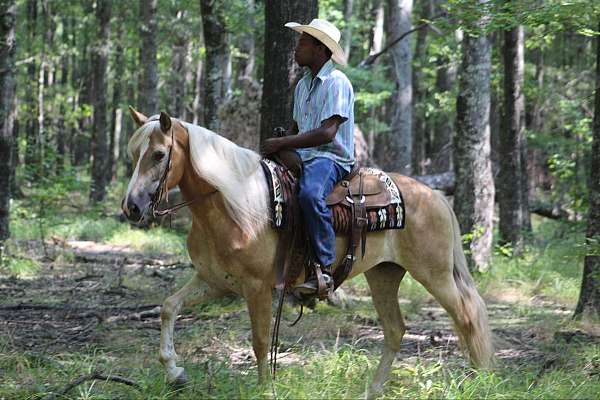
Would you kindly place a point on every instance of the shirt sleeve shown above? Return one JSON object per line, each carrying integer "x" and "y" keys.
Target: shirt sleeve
{"x": 296, "y": 111}
{"x": 338, "y": 99}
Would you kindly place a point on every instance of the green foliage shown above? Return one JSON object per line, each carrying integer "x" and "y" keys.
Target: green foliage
{"x": 18, "y": 266}
{"x": 551, "y": 15}
{"x": 371, "y": 90}
{"x": 550, "y": 268}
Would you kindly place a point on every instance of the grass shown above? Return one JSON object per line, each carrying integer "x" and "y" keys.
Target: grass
{"x": 328, "y": 355}
{"x": 550, "y": 267}
{"x": 571, "y": 371}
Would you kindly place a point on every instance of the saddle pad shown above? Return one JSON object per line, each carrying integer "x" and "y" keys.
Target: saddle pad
{"x": 283, "y": 189}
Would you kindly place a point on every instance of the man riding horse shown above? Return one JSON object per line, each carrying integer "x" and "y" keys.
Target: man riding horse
{"x": 323, "y": 135}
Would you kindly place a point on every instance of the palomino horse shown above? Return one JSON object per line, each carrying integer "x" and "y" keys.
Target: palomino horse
{"x": 232, "y": 244}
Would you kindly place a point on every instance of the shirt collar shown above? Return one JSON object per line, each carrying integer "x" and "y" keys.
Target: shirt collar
{"x": 323, "y": 73}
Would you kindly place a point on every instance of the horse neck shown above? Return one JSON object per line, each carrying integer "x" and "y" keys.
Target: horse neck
{"x": 241, "y": 202}
{"x": 193, "y": 187}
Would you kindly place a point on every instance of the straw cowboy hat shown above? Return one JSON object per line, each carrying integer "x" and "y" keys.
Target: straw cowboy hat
{"x": 326, "y": 33}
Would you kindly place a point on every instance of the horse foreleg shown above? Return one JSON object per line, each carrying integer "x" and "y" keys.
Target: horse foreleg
{"x": 200, "y": 291}
{"x": 259, "y": 297}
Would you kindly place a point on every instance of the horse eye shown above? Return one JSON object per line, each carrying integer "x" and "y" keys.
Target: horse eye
{"x": 158, "y": 156}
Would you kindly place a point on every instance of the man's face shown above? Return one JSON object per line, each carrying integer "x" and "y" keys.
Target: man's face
{"x": 306, "y": 50}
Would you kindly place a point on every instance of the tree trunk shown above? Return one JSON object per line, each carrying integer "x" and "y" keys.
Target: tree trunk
{"x": 375, "y": 46}
{"x": 281, "y": 71}
{"x": 62, "y": 111}
{"x": 148, "y": 83}
{"x": 100, "y": 151}
{"x": 248, "y": 46}
{"x": 81, "y": 143}
{"x": 189, "y": 84}
{"x": 8, "y": 19}
{"x": 511, "y": 192}
{"x": 217, "y": 53}
{"x": 31, "y": 122}
{"x": 347, "y": 33}
{"x": 199, "y": 97}
{"x": 589, "y": 297}
{"x": 377, "y": 33}
{"x": 41, "y": 84}
{"x": 419, "y": 126}
{"x": 116, "y": 114}
{"x": 474, "y": 194}
{"x": 443, "y": 124}
{"x": 179, "y": 46}
{"x": 128, "y": 124}
{"x": 398, "y": 153}
{"x": 15, "y": 187}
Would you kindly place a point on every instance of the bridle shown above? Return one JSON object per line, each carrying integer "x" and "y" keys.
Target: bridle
{"x": 162, "y": 191}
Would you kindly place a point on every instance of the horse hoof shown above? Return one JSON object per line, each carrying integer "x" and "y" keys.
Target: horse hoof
{"x": 180, "y": 379}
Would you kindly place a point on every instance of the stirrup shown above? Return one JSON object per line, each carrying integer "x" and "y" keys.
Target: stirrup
{"x": 319, "y": 284}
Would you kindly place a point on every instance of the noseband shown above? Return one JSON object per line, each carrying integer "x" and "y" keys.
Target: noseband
{"x": 162, "y": 191}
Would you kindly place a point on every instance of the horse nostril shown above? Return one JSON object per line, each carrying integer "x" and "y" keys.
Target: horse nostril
{"x": 134, "y": 212}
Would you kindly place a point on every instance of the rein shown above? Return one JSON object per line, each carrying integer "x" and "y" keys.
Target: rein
{"x": 161, "y": 191}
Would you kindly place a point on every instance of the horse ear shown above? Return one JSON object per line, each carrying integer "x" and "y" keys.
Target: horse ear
{"x": 165, "y": 122}
{"x": 139, "y": 118}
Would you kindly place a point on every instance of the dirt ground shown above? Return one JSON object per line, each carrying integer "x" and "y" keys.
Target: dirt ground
{"x": 107, "y": 297}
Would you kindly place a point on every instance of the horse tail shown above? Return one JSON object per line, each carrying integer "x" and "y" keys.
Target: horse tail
{"x": 473, "y": 323}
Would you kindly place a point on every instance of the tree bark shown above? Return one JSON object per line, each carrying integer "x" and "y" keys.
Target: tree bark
{"x": 116, "y": 113}
{"x": 443, "y": 124}
{"x": 81, "y": 143}
{"x": 217, "y": 53}
{"x": 375, "y": 46}
{"x": 419, "y": 125}
{"x": 15, "y": 187}
{"x": 148, "y": 83}
{"x": 61, "y": 123}
{"x": 199, "y": 97}
{"x": 281, "y": 71}
{"x": 398, "y": 153}
{"x": 100, "y": 151}
{"x": 347, "y": 33}
{"x": 511, "y": 191}
{"x": 589, "y": 296}
{"x": 378, "y": 14}
{"x": 31, "y": 122}
{"x": 8, "y": 19}
{"x": 248, "y": 46}
{"x": 179, "y": 45}
{"x": 474, "y": 194}
{"x": 41, "y": 123}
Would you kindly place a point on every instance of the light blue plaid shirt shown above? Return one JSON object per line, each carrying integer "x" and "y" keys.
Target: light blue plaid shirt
{"x": 316, "y": 100}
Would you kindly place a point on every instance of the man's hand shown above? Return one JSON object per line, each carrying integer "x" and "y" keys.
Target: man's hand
{"x": 270, "y": 146}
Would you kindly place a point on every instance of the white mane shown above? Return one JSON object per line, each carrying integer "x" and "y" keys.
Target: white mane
{"x": 236, "y": 173}
{"x": 233, "y": 170}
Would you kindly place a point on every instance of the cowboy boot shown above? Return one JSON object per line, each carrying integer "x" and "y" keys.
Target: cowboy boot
{"x": 319, "y": 283}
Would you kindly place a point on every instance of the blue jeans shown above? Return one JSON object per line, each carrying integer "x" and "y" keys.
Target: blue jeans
{"x": 318, "y": 179}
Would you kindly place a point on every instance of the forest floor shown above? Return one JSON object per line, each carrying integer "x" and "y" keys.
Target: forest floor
{"x": 93, "y": 306}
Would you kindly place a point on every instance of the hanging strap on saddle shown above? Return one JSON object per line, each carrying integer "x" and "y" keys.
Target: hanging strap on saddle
{"x": 358, "y": 232}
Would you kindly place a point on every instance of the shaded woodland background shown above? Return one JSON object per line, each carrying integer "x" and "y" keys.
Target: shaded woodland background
{"x": 494, "y": 102}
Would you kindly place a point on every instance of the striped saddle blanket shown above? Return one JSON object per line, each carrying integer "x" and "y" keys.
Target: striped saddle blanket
{"x": 381, "y": 195}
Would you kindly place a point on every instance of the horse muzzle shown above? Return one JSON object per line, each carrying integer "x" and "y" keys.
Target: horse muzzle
{"x": 134, "y": 210}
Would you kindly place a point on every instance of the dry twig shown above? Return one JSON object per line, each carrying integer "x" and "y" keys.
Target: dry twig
{"x": 96, "y": 375}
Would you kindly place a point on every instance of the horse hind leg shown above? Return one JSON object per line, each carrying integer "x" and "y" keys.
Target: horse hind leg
{"x": 384, "y": 281}
{"x": 199, "y": 292}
